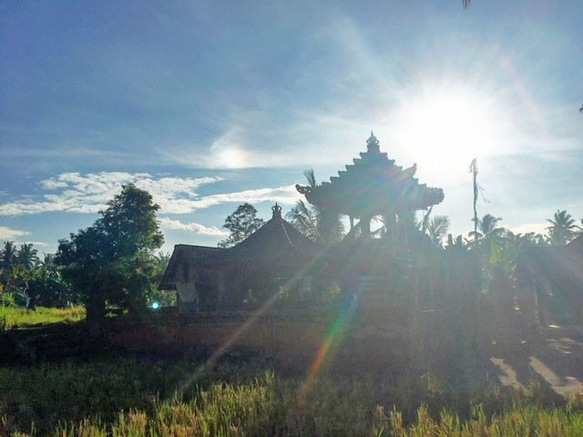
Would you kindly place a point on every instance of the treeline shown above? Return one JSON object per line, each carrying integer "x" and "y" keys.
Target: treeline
{"x": 109, "y": 264}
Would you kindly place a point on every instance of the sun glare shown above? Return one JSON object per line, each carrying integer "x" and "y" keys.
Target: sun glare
{"x": 232, "y": 158}
{"x": 446, "y": 129}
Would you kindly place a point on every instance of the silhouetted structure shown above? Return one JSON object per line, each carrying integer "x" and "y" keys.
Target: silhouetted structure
{"x": 267, "y": 264}
{"x": 372, "y": 185}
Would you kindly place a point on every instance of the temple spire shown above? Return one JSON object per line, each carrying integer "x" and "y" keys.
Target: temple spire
{"x": 372, "y": 144}
{"x": 276, "y": 211}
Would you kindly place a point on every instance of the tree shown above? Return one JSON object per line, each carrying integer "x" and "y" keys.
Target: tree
{"x": 7, "y": 259}
{"x": 486, "y": 228}
{"x": 304, "y": 220}
{"x": 27, "y": 256}
{"x": 107, "y": 262}
{"x": 241, "y": 223}
{"x": 563, "y": 228}
{"x": 318, "y": 224}
{"x": 437, "y": 229}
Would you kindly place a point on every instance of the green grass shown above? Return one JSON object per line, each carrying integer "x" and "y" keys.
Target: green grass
{"x": 20, "y": 317}
{"x": 150, "y": 396}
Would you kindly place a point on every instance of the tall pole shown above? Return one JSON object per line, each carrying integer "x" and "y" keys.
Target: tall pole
{"x": 474, "y": 171}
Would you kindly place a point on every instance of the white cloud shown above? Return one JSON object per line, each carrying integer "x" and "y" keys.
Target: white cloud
{"x": 286, "y": 195}
{"x": 7, "y": 234}
{"x": 176, "y": 225}
{"x": 77, "y": 193}
{"x": 538, "y": 228}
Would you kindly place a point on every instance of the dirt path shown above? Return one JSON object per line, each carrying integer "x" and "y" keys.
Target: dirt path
{"x": 555, "y": 360}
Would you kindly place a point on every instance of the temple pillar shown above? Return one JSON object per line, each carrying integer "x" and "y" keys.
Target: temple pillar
{"x": 365, "y": 226}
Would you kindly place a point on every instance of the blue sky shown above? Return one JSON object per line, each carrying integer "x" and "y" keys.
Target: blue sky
{"x": 209, "y": 104}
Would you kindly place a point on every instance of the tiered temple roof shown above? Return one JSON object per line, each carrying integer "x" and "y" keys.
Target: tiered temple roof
{"x": 373, "y": 185}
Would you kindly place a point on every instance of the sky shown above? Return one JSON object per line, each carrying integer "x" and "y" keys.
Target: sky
{"x": 210, "y": 104}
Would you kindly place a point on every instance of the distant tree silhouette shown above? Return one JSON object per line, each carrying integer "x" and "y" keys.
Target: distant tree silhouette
{"x": 487, "y": 228}
{"x": 563, "y": 228}
{"x": 241, "y": 223}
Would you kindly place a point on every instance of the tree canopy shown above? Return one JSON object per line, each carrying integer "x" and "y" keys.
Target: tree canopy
{"x": 109, "y": 261}
{"x": 241, "y": 223}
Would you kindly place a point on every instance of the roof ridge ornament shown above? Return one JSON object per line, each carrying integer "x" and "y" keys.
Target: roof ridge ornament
{"x": 276, "y": 209}
{"x": 372, "y": 144}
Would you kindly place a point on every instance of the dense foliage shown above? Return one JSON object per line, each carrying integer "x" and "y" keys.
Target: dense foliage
{"x": 25, "y": 280}
{"x": 111, "y": 262}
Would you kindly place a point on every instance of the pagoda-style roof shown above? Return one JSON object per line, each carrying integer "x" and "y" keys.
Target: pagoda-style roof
{"x": 373, "y": 185}
{"x": 277, "y": 242}
{"x": 276, "y": 239}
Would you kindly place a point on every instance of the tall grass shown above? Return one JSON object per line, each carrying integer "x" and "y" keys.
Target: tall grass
{"x": 148, "y": 396}
{"x": 21, "y": 317}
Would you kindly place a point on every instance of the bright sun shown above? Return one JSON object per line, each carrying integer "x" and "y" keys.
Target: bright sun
{"x": 446, "y": 129}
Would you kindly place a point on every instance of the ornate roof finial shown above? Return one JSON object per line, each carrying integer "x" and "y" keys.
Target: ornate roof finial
{"x": 372, "y": 144}
{"x": 276, "y": 210}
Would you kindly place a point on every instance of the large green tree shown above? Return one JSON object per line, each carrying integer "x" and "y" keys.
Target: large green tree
{"x": 241, "y": 223}
{"x": 108, "y": 262}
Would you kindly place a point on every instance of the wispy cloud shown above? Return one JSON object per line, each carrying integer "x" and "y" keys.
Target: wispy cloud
{"x": 77, "y": 193}
{"x": 7, "y": 234}
{"x": 176, "y": 225}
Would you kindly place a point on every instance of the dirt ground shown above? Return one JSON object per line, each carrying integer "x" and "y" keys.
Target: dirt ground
{"x": 554, "y": 358}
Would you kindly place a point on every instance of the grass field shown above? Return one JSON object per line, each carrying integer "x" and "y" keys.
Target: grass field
{"x": 246, "y": 395}
{"x": 21, "y": 317}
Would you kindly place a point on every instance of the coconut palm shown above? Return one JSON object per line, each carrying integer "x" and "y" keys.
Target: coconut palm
{"x": 317, "y": 223}
{"x": 27, "y": 256}
{"x": 486, "y": 228}
{"x": 563, "y": 228}
{"x": 437, "y": 229}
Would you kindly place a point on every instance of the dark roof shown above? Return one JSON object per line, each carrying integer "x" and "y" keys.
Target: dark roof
{"x": 372, "y": 185}
{"x": 277, "y": 240}
{"x": 183, "y": 258}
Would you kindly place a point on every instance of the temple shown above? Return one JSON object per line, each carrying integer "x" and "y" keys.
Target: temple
{"x": 373, "y": 185}
{"x": 276, "y": 260}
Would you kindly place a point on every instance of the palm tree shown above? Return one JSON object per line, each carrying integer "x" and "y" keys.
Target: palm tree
{"x": 485, "y": 228}
{"x": 7, "y": 258}
{"x": 563, "y": 228}
{"x": 318, "y": 224}
{"x": 304, "y": 220}
{"x": 437, "y": 229}
{"x": 27, "y": 256}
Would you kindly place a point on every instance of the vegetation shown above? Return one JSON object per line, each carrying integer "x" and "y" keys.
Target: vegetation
{"x": 111, "y": 261}
{"x": 563, "y": 228}
{"x": 14, "y": 317}
{"x": 142, "y": 396}
{"x": 241, "y": 223}
{"x": 27, "y": 281}
{"x": 317, "y": 223}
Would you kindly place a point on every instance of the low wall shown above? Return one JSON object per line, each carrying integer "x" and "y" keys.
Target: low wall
{"x": 297, "y": 340}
